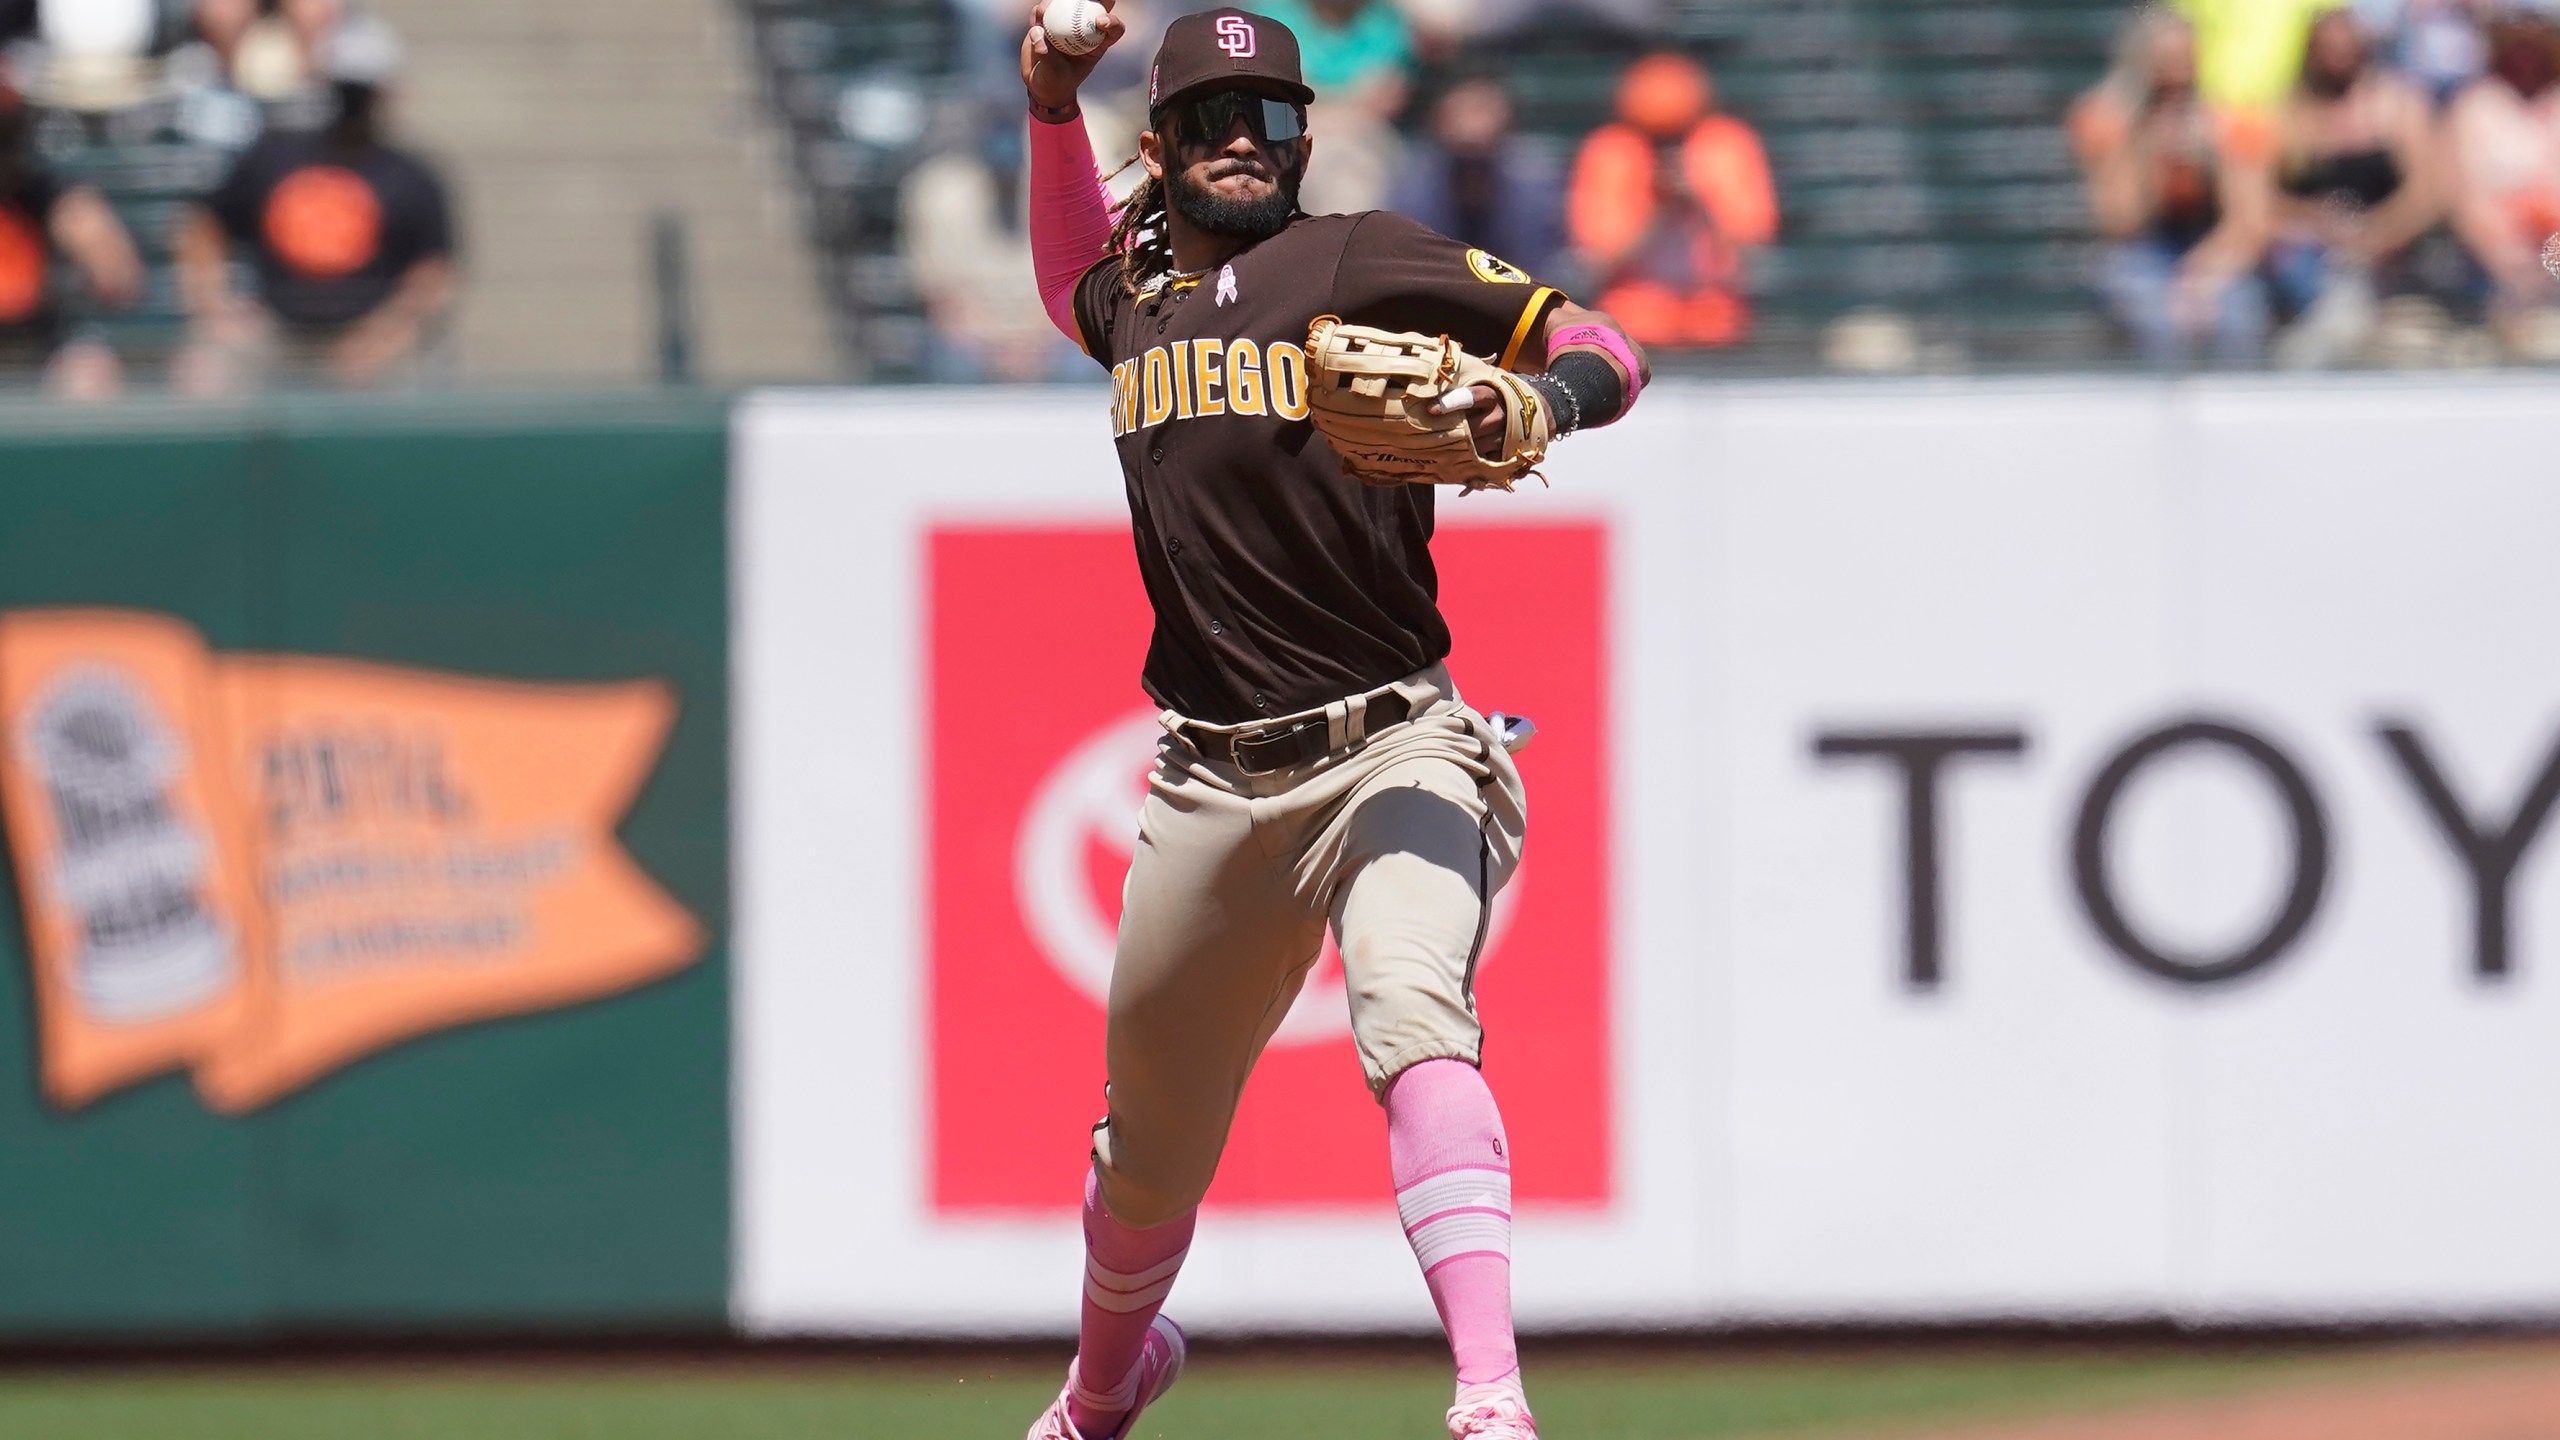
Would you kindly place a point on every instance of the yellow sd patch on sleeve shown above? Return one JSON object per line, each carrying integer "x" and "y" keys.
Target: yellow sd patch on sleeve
{"x": 1494, "y": 270}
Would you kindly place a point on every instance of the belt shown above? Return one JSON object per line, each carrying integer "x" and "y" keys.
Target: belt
{"x": 1277, "y": 747}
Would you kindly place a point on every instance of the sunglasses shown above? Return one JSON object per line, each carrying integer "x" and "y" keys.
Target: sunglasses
{"x": 1211, "y": 118}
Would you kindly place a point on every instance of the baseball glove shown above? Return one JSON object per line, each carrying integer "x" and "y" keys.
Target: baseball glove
{"x": 1370, "y": 394}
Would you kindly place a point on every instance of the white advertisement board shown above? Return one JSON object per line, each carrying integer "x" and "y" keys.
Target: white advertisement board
{"x": 2037, "y": 850}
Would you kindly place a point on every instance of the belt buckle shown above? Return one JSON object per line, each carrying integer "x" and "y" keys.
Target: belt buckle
{"x": 1261, "y": 737}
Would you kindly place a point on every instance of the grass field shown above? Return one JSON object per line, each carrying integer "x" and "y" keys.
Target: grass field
{"x": 1227, "y": 1396}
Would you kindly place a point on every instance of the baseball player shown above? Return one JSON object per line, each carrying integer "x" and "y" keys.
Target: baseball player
{"x": 1318, "y": 766}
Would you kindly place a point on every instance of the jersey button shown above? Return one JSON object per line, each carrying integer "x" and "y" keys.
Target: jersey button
{"x": 1217, "y": 629}
{"x": 1259, "y": 703}
{"x": 1173, "y": 547}
{"x": 1157, "y": 454}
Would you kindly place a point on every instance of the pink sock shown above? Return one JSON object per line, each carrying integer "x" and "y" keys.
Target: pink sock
{"x": 1453, "y": 1192}
{"x": 1127, "y": 1274}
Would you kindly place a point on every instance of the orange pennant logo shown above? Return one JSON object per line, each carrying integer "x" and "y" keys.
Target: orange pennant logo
{"x": 265, "y": 867}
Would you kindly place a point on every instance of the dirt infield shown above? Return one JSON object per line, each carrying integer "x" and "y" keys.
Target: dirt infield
{"x": 2505, "y": 1393}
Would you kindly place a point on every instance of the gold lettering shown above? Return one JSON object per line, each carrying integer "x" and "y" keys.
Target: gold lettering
{"x": 1244, "y": 378}
{"x": 1207, "y": 364}
{"x": 1159, "y": 387}
{"x": 1181, "y": 379}
{"x": 1288, "y": 380}
{"x": 1124, "y": 385}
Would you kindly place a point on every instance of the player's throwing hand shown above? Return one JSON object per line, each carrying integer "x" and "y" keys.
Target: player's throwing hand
{"x": 1052, "y": 75}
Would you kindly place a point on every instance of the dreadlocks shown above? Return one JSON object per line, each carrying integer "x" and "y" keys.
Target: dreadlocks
{"x": 1141, "y": 235}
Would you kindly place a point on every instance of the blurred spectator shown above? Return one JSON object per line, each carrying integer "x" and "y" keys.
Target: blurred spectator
{"x": 1348, "y": 46}
{"x": 963, "y": 226}
{"x": 2185, "y": 221}
{"x": 2358, "y": 179}
{"x": 313, "y": 23}
{"x": 223, "y": 29}
{"x": 211, "y": 109}
{"x": 1667, "y": 204}
{"x": 1444, "y": 24}
{"x": 275, "y": 51}
{"x": 221, "y": 24}
{"x": 1475, "y": 181}
{"x": 2249, "y": 52}
{"x": 351, "y": 240}
{"x": 2505, "y": 139}
{"x": 2435, "y": 43}
{"x": 1358, "y": 56}
{"x": 96, "y": 52}
{"x": 39, "y": 215}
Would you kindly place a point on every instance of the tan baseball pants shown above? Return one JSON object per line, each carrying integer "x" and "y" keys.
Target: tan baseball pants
{"x": 1399, "y": 842}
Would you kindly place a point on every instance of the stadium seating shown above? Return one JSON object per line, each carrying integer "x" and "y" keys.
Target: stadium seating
{"x": 857, "y": 84}
{"x": 1918, "y": 148}
{"x": 567, "y": 127}
{"x": 1921, "y": 165}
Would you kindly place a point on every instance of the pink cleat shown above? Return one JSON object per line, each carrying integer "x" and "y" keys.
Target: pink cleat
{"x": 1158, "y": 1367}
{"x": 1495, "y": 1411}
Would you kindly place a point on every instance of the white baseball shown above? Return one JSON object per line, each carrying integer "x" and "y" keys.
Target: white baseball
{"x": 1074, "y": 26}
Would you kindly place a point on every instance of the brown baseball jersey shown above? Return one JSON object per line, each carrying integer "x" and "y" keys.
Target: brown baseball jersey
{"x": 1279, "y": 582}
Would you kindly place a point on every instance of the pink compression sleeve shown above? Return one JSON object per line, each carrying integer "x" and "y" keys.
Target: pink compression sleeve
{"x": 1070, "y": 216}
{"x": 1453, "y": 1192}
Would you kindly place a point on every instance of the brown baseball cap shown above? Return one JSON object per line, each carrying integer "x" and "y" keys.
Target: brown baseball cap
{"x": 1218, "y": 49}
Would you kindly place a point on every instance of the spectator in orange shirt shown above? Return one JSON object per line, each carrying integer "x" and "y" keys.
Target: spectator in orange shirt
{"x": 1668, "y": 203}
{"x": 350, "y": 239}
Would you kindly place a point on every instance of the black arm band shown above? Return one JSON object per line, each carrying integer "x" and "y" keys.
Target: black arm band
{"x": 1592, "y": 384}
{"x": 1568, "y": 411}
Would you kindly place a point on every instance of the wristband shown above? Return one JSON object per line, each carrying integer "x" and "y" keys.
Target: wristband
{"x": 1560, "y": 399}
{"x": 1610, "y": 343}
{"x": 1592, "y": 386}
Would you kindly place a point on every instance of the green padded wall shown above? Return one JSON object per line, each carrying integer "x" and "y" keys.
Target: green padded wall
{"x": 567, "y": 1169}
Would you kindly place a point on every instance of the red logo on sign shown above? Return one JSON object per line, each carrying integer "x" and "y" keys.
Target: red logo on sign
{"x": 1040, "y": 739}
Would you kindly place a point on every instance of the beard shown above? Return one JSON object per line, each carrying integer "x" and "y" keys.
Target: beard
{"x": 1225, "y": 215}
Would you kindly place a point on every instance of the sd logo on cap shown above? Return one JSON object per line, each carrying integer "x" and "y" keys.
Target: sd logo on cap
{"x": 1227, "y": 48}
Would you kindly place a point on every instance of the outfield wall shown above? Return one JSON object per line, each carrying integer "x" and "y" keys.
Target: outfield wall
{"x": 2036, "y": 850}
{"x": 365, "y": 786}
